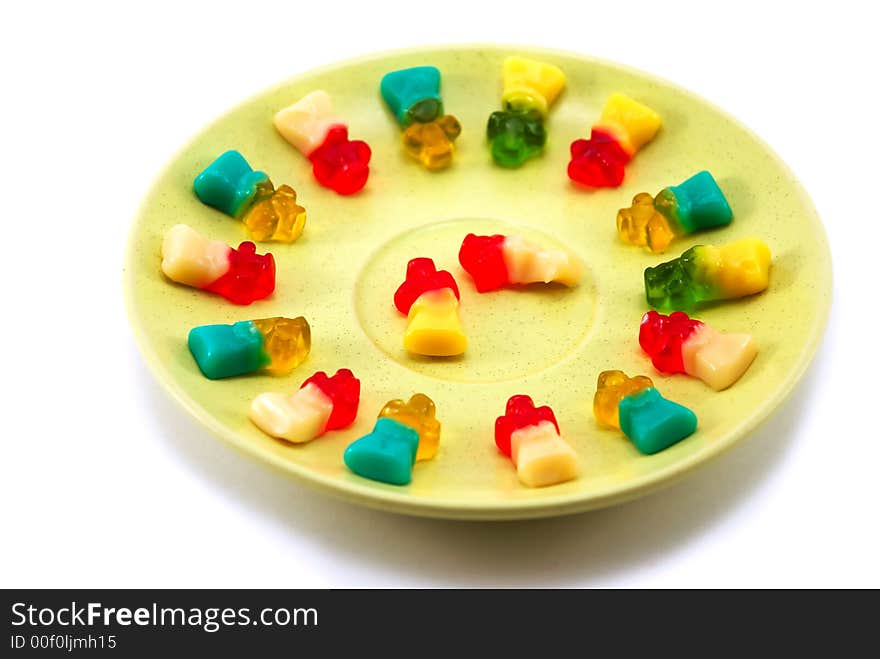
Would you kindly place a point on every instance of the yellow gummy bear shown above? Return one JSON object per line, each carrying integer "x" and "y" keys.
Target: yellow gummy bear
{"x": 275, "y": 215}
{"x": 419, "y": 413}
{"x": 632, "y": 124}
{"x": 434, "y": 327}
{"x": 287, "y": 342}
{"x": 432, "y": 143}
{"x": 530, "y": 85}
{"x": 611, "y": 388}
{"x": 641, "y": 224}
{"x": 738, "y": 269}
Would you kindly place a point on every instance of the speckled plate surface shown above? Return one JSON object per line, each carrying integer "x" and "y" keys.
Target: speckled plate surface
{"x": 549, "y": 343}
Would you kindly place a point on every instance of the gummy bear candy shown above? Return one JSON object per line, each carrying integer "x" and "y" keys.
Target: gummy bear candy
{"x": 231, "y": 186}
{"x": 612, "y": 387}
{"x": 275, "y": 345}
{"x": 497, "y": 261}
{"x": 653, "y": 222}
{"x": 386, "y": 455}
{"x": 530, "y": 85}
{"x": 706, "y": 272}
{"x": 312, "y": 127}
{"x": 429, "y": 298}
{"x": 517, "y": 133}
{"x": 321, "y": 404}
{"x": 633, "y": 405}
{"x": 623, "y": 127}
{"x": 275, "y": 215}
{"x": 529, "y": 436}
{"x": 341, "y": 164}
{"x": 514, "y": 137}
{"x": 413, "y": 96}
{"x": 240, "y": 275}
{"x": 679, "y": 344}
{"x": 432, "y": 143}
{"x": 404, "y": 433}
{"x": 419, "y": 413}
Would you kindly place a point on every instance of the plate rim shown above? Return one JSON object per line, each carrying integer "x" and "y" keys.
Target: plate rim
{"x": 401, "y": 502}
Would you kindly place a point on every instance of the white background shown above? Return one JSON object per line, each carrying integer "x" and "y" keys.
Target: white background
{"x": 106, "y": 483}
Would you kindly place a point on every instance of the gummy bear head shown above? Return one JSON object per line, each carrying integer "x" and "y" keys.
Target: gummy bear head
{"x": 341, "y": 164}
{"x": 515, "y": 136}
{"x": 661, "y": 337}
{"x": 250, "y": 277}
{"x": 670, "y": 285}
{"x": 482, "y": 257}
{"x": 422, "y": 276}
{"x": 597, "y": 162}
{"x": 431, "y": 143}
{"x": 520, "y": 413}
{"x": 344, "y": 390}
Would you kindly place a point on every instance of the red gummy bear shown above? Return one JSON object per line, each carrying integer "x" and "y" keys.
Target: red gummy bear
{"x": 341, "y": 164}
{"x": 520, "y": 413}
{"x": 422, "y": 276}
{"x": 344, "y": 389}
{"x": 250, "y": 277}
{"x": 662, "y": 337}
{"x": 598, "y": 162}
{"x": 482, "y": 257}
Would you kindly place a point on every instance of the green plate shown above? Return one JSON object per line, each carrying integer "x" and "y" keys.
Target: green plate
{"x": 549, "y": 343}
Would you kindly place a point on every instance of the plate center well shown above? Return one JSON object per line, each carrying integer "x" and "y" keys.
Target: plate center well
{"x": 512, "y": 333}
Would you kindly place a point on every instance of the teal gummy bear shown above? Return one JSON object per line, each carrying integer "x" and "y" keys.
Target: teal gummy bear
{"x": 654, "y": 423}
{"x": 413, "y": 94}
{"x": 222, "y": 351}
{"x": 515, "y": 136}
{"x": 228, "y": 184}
{"x": 699, "y": 201}
{"x": 386, "y": 455}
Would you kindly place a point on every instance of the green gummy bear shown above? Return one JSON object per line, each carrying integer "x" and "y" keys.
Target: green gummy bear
{"x": 413, "y": 94}
{"x": 222, "y": 351}
{"x": 677, "y": 285}
{"x": 229, "y": 184}
{"x": 696, "y": 204}
{"x": 654, "y": 423}
{"x": 515, "y": 136}
{"x": 386, "y": 455}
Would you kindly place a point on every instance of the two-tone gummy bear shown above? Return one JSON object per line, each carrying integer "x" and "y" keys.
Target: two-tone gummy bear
{"x": 274, "y": 345}
{"x": 530, "y": 437}
{"x": 517, "y": 133}
{"x": 429, "y": 298}
{"x": 413, "y": 96}
{"x": 321, "y": 404}
{"x": 679, "y": 344}
{"x": 404, "y": 433}
{"x": 623, "y": 127}
{"x": 240, "y": 275}
{"x": 497, "y": 261}
{"x": 706, "y": 272}
{"x": 634, "y": 406}
{"x": 230, "y": 185}
{"x": 312, "y": 127}
{"x": 654, "y": 222}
